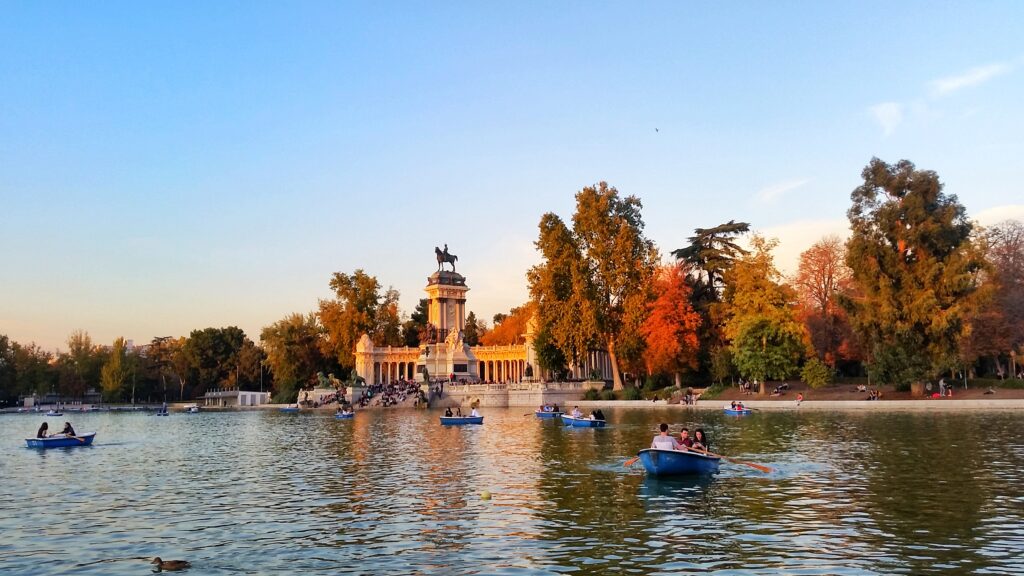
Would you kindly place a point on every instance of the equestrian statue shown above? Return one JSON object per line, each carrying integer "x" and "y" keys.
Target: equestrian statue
{"x": 444, "y": 256}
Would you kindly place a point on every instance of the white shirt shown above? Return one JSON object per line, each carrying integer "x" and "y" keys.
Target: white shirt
{"x": 474, "y": 413}
{"x": 665, "y": 442}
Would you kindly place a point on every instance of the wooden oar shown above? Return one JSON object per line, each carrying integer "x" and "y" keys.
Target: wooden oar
{"x": 630, "y": 462}
{"x": 764, "y": 469}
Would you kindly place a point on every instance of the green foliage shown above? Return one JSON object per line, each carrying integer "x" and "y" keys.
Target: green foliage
{"x": 632, "y": 393}
{"x": 591, "y": 288}
{"x": 768, "y": 350}
{"x": 767, "y": 340}
{"x": 816, "y": 373}
{"x": 722, "y": 364}
{"x": 115, "y": 372}
{"x": 417, "y": 322}
{"x": 471, "y": 335}
{"x": 213, "y": 354}
{"x": 607, "y": 395}
{"x": 712, "y": 392}
{"x": 915, "y": 269}
{"x": 293, "y": 350}
{"x": 592, "y": 394}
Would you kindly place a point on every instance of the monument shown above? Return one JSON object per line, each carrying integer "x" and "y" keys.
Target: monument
{"x": 447, "y": 355}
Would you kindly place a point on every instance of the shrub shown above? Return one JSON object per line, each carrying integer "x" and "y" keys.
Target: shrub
{"x": 591, "y": 394}
{"x": 607, "y": 395}
{"x": 632, "y": 393}
{"x": 712, "y": 392}
{"x": 816, "y": 374}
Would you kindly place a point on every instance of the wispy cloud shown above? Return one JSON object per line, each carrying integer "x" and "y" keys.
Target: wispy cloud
{"x": 972, "y": 77}
{"x": 889, "y": 115}
{"x": 775, "y": 190}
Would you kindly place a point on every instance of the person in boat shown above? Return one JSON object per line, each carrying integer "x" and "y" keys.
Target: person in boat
{"x": 700, "y": 440}
{"x": 664, "y": 441}
{"x": 576, "y": 412}
{"x": 739, "y": 406}
{"x": 684, "y": 439}
{"x": 42, "y": 430}
{"x": 599, "y": 414}
{"x": 732, "y": 405}
{"x": 458, "y": 411}
{"x": 448, "y": 412}
{"x": 68, "y": 430}
{"x": 593, "y": 415}
{"x": 474, "y": 413}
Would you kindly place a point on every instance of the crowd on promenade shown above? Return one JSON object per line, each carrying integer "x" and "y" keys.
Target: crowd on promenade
{"x": 391, "y": 394}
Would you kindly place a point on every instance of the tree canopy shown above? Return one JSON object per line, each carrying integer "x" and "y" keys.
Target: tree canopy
{"x": 358, "y": 308}
{"x": 915, "y": 268}
{"x": 594, "y": 277}
{"x": 670, "y": 329}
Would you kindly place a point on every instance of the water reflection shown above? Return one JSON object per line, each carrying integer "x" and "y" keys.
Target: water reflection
{"x": 397, "y": 493}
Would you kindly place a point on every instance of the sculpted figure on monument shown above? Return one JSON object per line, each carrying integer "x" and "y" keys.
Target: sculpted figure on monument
{"x": 444, "y": 257}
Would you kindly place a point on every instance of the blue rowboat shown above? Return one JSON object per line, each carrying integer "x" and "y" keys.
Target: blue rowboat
{"x": 677, "y": 462}
{"x": 461, "y": 420}
{"x": 582, "y": 422}
{"x": 61, "y": 441}
{"x": 343, "y": 416}
{"x": 542, "y": 414}
{"x": 289, "y": 409}
{"x": 744, "y": 412}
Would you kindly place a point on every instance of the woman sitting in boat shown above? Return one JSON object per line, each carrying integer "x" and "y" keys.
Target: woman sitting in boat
{"x": 68, "y": 430}
{"x": 732, "y": 405}
{"x": 43, "y": 430}
{"x": 599, "y": 415}
{"x": 663, "y": 441}
{"x": 474, "y": 414}
{"x": 700, "y": 440}
{"x": 448, "y": 412}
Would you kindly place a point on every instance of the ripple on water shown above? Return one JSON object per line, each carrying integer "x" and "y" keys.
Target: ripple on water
{"x": 262, "y": 492}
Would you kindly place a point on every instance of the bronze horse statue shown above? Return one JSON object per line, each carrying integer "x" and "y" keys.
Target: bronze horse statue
{"x": 443, "y": 257}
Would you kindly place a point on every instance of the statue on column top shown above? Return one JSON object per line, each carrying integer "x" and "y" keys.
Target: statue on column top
{"x": 444, "y": 257}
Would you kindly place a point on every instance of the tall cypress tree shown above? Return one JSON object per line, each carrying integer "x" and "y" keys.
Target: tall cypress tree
{"x": 916, "y": 270}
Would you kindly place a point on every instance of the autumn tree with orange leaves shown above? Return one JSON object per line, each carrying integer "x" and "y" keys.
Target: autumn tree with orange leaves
{"x": 821, "y": 277}
{"x": 670, "y": 330}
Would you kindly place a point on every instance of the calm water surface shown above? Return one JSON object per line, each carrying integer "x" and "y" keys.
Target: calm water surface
{"x": 396, "y": 493}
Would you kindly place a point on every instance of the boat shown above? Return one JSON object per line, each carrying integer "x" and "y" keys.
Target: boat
{"x": 192, "y": 408}
{"x": 160, "y": 414}
{"x": 730, "y": 411}
{"x": 345, "y": 415}
{"x": 461, "y": 420}
{"x": 659, "y": 462}
{"x": 288, "y": 409}
{"x": 52, "y": 413}
{"x": 61, "y": 441}
{"x": 582, "y": 422}
{"x": 548, "y": 415}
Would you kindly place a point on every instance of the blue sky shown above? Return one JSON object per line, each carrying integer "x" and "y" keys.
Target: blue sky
{"x": 171, "y": 166}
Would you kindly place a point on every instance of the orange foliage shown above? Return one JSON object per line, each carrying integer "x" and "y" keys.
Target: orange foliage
{"x": 512, "y": 329}
{"x": 670, "y": 329}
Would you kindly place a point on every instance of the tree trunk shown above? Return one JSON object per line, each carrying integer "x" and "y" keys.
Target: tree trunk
{"x": 616, "y": 377}
{"x": 679, "y": 380}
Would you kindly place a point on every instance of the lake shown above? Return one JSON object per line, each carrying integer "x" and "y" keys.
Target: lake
{"x": 395, "y": 493}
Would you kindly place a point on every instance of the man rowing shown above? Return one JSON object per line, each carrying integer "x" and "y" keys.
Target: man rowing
{"x": 664, "y": 441}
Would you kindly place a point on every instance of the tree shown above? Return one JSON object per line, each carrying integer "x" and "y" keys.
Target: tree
{"x": 670, "y": 329}
{"x": 996, "y": 327}
{"x": 85, "y": 361}
{"x": 767, "y": 341}
{"x": 416, "y": 323}
{"x": 213, "y": 355}
{"x": 821, "y": 277}
{"x": 710, "y": 254}
{"x": 511, "y": 329}
{"x": 8, "y": 372}
{"x": 115, "y": 372}
{"x": 916, "y": 269}
{"x": 594, "y": 277}
{"x": 475, "y": 329}
{"x": 358, "y": 308}
{"x": 293, "y": 351}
